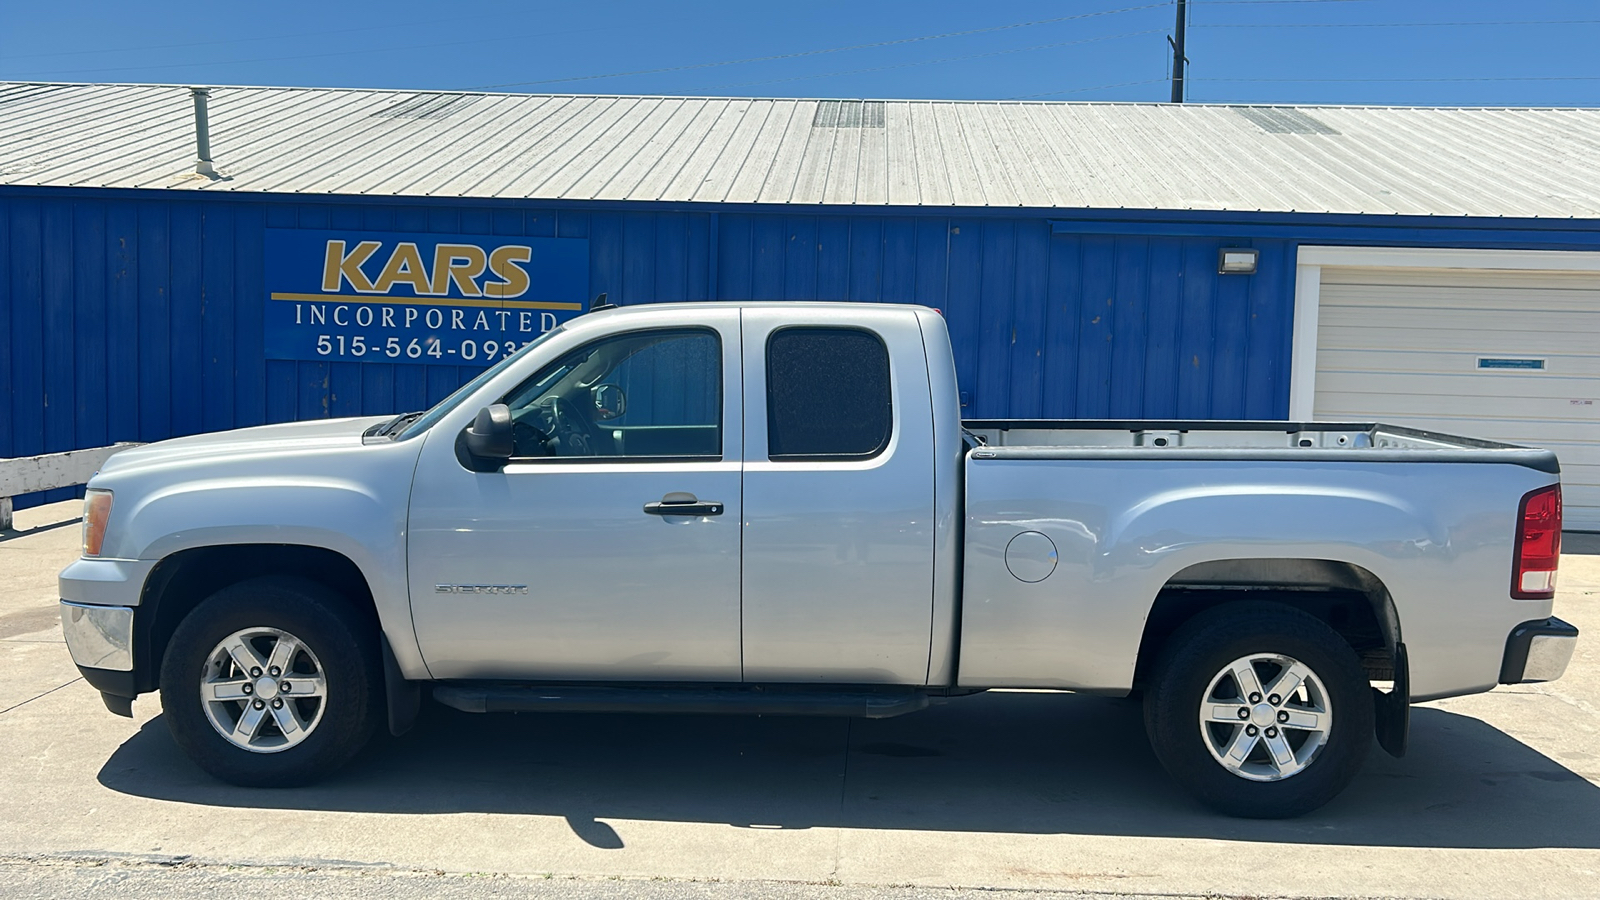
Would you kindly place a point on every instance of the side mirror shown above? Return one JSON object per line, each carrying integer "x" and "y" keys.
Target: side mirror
{"x": 609, "y": 401}
{"x": 489, "y": 436}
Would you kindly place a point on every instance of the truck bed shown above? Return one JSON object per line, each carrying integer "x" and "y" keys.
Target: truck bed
{"x": 1241, "y": 440}
{"x": 1073, "y": 529}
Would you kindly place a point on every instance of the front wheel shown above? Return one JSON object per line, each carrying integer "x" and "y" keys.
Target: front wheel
{"x": 272, "y": 682}
{"x": 1259, "y": 710}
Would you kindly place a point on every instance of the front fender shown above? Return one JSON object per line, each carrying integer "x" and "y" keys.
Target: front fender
{"x": 346, "y": 517}
{"x": 353, "y": 503}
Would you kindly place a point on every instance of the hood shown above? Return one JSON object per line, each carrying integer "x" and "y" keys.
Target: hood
{"x": 264, "y": 440}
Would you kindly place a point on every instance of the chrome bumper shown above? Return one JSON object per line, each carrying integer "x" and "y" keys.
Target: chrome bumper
{"x": 1538, "y": 651}
{"x": 99, "y": 637}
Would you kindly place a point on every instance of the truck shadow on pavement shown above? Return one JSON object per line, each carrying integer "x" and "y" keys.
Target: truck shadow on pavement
{"x": 999, "y": 762}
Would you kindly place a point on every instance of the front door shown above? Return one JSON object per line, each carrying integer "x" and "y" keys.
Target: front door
{"x": 608, "y": 548}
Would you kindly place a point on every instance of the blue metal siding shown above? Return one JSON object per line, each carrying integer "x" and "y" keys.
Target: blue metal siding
{"x": 135, "y": 315}
{"x": 1044, "y": 325}
{"x": 133, "y": 318}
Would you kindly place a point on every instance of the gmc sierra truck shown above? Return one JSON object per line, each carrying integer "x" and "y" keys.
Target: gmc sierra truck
{"x": 776, "y": 508}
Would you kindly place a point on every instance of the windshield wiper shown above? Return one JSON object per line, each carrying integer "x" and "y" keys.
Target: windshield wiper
{"x": 394, "y": 425}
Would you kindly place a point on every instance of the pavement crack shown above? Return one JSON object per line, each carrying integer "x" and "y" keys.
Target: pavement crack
{"x": 37, "y": 696}
{"x": 1575, "y": 702}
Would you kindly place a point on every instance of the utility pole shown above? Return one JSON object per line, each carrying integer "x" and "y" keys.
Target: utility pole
{"x": 1179, "y": 61}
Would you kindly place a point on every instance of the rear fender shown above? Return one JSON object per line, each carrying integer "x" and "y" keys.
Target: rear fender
{"x": 1081, "y": 628}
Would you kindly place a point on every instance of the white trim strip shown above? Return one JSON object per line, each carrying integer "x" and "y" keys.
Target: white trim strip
{"x": 1450, "y": 258}
{"x": 1303, "y": 352}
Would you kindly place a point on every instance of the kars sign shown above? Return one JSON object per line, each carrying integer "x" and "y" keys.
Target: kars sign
{"x": 341, "y": 296}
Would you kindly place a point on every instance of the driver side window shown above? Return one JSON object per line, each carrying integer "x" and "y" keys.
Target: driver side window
{"x": 644, "y": 394}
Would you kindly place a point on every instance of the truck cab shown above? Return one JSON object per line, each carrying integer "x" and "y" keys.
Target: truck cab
{"x": 742, "y": 500}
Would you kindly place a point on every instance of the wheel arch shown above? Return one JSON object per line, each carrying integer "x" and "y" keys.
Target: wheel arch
{"x": 181, "y": 580}
{"x": 1348, "y": 597}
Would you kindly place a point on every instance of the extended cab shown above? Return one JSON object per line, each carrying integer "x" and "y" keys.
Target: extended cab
{"x": 777, "y": 508}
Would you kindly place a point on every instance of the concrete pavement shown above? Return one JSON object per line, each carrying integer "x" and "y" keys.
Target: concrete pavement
{"x": 1499, "y": 796}
{"x": 86, "y": 880}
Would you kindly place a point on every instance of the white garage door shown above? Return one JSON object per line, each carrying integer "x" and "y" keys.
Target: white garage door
{"x": 1507, "y": 356}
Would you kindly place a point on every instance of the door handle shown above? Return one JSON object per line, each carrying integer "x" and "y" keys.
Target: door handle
{"x": 678, "y": 503}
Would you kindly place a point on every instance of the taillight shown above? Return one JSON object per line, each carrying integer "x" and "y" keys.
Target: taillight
{"x": 1538, "y": 550}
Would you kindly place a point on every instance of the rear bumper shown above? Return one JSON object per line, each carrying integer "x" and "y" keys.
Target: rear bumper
{"x": 1538, "y": 651}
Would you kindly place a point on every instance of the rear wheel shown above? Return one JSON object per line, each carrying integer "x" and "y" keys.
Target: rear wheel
{"x": 273, "y": 682}
{"x": 1259, "y": 710}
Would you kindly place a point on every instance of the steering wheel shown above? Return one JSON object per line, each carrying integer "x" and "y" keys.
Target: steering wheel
{"x": 560, "y": 432}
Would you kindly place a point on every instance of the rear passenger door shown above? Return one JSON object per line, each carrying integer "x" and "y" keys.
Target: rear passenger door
{"x": 838, "y": 497}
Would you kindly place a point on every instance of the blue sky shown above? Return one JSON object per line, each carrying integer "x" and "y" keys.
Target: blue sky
{"x": 1424, "y": 52}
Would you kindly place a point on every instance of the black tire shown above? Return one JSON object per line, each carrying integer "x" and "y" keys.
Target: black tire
{"x": 1201, "y": 649}
{"x": 344, "y": 643}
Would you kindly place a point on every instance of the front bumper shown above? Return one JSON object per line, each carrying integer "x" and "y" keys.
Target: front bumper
{"x": 100, "y": 637}
{"x": 98, "y": 599}
{"x": 1538, "y": 651}
{"x": 93, "y": 581}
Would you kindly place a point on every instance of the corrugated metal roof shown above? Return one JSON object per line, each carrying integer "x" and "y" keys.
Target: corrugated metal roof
{"x": 1329, "y": 159}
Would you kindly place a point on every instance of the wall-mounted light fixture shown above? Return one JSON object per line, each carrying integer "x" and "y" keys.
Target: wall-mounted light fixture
{"x": 1236, "y": 261}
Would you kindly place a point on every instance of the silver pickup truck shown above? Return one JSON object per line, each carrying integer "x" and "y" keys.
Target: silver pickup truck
{"x": 777, "y": 509}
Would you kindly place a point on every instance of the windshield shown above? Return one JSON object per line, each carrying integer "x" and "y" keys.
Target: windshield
{"x": 443, "y": 407}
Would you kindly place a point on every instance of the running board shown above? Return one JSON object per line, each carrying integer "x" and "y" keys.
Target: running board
{"x": 477, "y": 697}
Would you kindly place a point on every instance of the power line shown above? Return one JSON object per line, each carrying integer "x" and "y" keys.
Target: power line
{"x": 1407, "y": 80}
{"x": 874, "y": 45}
{"x": 947, "y": 59}
{"x": 1086, "y": 90}
{"x": 1392, "y": 24}
{"x": 237, "y": 62}
{"x": 281, "y": 37}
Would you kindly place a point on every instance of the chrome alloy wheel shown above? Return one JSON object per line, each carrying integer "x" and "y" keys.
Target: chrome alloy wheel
{"x": 1265, "y": 716}
{"x": 263, "y": 690}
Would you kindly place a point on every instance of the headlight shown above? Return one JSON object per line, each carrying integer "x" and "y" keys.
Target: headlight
{"x": 96, "y": 512}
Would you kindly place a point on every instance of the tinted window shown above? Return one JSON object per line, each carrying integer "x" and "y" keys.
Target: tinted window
{"x": 642, "y": 394}
{"x": 827, "y": 394}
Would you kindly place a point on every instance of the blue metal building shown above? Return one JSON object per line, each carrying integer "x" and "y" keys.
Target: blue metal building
{"x": 1074, "y": 248}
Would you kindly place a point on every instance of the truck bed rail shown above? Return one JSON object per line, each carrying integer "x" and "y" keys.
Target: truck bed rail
{"x": 1252, "y": 441}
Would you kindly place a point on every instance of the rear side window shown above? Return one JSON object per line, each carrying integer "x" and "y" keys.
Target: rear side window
{"x": 827, "y": 394}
